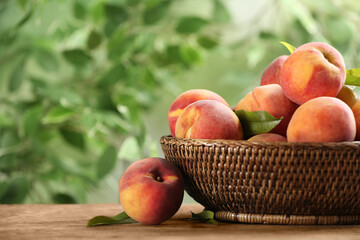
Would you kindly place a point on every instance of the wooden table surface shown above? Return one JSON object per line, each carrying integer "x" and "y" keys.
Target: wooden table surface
{"x": 69, "y": 222}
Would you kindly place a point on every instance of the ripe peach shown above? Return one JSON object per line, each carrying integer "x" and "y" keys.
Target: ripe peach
{"x": 272, "y": 73}
{"x": 356, "y": 110}
{"x": 322, "y": 119}
{"x": 208, "y": 119}
{"x": 268, "y": 137}
{"x": 186, "y": 98}
{"x": 272, "y": 99}
{"x": 348, "y": 96}
{"x": 151, "y": 190}
{"x": 313, "y": 70}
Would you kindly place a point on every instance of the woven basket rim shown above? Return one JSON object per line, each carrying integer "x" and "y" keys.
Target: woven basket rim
{"x": 245, "y": 143}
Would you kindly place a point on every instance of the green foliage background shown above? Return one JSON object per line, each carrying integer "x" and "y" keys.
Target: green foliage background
{"x": 85, "y": 85}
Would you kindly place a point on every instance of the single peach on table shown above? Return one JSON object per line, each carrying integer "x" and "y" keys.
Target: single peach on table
{"x": 356, "y": 110}
{"x": 348, "y": 96}
{"x": 208, "y": 119}
{"x": 186, "y": 98}
{"x": 269, "y": 98}
{"x": 268, "y": 137}
{"x": 272, "y": 73}
{"x": 322, "y": 119}
{"x": 313, "y": 70}
{"x": 151, "y": 190}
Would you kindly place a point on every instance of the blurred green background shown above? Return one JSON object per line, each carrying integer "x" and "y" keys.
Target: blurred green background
{"x": 85, "y": 86}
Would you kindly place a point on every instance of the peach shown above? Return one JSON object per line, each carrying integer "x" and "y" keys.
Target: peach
{"x": 348, "y": 96}
{"x": 268, "y": 137}
{"x": 322, "y": 119}
{"x": 272, "y": 99}
{"x": 272, "y": 73}
{"x": 356, "y": 110}
{"x": 151, "y": 190}
{"x": 313, "y": 70}
{"x": 208, "y": 119}
{"x": 186, "y": 98}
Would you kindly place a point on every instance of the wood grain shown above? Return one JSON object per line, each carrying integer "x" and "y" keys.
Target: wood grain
{"x": 69, "y": 222}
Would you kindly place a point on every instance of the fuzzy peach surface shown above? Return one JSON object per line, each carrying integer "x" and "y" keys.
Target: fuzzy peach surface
{"x": 272, "y": 99}
{"x": 312, "y": 70}
{"x": 322, "y": 119}
{"x": 186, "y": 98}
{"x": 208, "y": 119}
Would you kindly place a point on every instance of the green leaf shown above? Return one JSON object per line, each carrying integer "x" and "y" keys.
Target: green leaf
{"x": 106, "y": 162}
{"x": 190, "y": 25}
{"x": 257, "y": 122}
{"x": 74, "y": 138}
{"x": 207, "y": 42}
{"x": 46, "y": 59}
{"x": 17, "y": 76}
{"x": 267, "y": 35}
{"x": 290, "y": 47}
{"x": 133, "y": 2}
{"x": 205, "y": 216}
{"x": 79, "y": 10}
{"x": 94, "y": 40}
{"x": 77, "y": 57}
{"x": 6, "y": 121}
{"x": 113, "y": 75}
{"x": 60, "y": 95}
{"x": 62, "y": 198}
{"x": 31, "y": 120}
{"x": 353, "y": 77}
{"x": 221, "y": 14}
{"x": 24, "y": 19}
{"x": 155, "y": 13}
{"x": 22, "y": 3}
{"x": 17, "y": 191}
{"x": 190, "y": 55}
{"x": 116, "y": 13}
{"x": 121, "y": 218}
{"x": 57, "y": 115}
{"x": 3, "y": 188}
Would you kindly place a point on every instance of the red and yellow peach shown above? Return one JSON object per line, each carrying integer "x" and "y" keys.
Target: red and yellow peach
{"x": 313, "y": 70}
{"x": 208, "y": 119}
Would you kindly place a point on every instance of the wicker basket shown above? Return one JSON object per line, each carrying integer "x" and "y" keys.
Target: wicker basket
{"x": 271, "y": 183}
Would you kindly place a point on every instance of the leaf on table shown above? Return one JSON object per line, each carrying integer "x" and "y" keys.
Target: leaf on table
{"x": 289, "y": 47}
{"x": 353, "y": 77}
{"x": 206, "y": 216}
{"x": 257, "y": 122}
{"x": 121, "y": 218}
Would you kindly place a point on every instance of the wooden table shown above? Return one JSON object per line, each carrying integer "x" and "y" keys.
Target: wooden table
{"x": 69, "y": 222}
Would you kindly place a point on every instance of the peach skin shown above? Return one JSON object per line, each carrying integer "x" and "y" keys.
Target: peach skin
{"x": 348, "y": 96}
{"x": 356, "y": 110}
{"x": 313, "y": 70}
{"x": 268, "y": 137}
{"x": 151, "y": 190}
{"x": 186, "y": 98}
{"x": 208, "y": 119}
{"x": 322, "y": 119}
{"x": 272, "y": 73}
{"x": 270, "y": 98}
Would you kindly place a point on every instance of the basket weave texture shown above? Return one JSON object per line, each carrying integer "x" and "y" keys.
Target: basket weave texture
{"x": 271, "y": 183}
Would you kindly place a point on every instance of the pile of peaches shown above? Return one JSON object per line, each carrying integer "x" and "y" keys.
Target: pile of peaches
{"x": 304, "y": 89}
